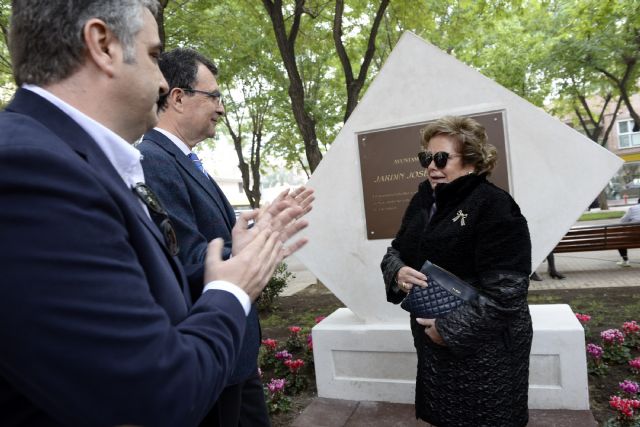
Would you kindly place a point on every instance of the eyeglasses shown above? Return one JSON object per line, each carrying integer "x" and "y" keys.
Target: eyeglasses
{"x": 440, "y": 158}
{"x": 159, "y": 215}
{"x": 215, "y": 96}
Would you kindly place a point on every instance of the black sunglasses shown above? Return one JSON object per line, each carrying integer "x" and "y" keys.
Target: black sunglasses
{"x": 159, "y": 215}
{"x": 215, "y": 96}
{"x": 440, "y": 158}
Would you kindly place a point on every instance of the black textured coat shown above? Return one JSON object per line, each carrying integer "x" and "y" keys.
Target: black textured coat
{"x": 480, "y": 378}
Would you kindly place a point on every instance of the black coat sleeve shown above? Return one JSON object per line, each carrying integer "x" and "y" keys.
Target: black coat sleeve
{"x": 392, "y": 261}
{"x": 391, "y": 264}
{"x": 503, "y": 262}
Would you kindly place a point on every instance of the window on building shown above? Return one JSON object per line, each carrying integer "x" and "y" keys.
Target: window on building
{"x": 626, "y": 137}
{"x": 240, "y": 188}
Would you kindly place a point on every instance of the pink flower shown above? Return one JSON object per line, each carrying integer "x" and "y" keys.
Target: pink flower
{"x": 320, "y": 318}
{"x": 635, "y": 365}
{"x": 283, "y": 355}
{"x": 630, "y": 387}
{"x": 294, "y": 365}
{"x": 270, "y": 344}
{"x": 594, "y": 351}
{"x": 630, "y": 328}
{"x": 583, "y": 318}
{"x": 276, "y": 385}
{"x": 309, "y": 342}
{"x": 612, "y": 336}
{"x": 295, "y": 330}
{"x": 625, "y": 407}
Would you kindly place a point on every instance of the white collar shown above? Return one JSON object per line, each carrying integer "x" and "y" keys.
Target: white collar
{"x": 177, "y": 141}
{"x": 124, "y": 157}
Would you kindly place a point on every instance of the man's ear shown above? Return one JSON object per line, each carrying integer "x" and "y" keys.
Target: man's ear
{"x": 175, "y": 98}
{"x": 104, "y": 49}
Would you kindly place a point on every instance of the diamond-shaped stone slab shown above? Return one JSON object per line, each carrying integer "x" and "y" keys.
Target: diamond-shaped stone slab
{"x": 555, "y": 171}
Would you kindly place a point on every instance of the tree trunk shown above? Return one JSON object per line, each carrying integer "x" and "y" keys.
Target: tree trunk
{"x": 286, "y": 46}
{"x": 355, "y": 85}
{"x": 160, "y": 19}
{"x": 252, "y": 196}
{"x": 602, "y": 201}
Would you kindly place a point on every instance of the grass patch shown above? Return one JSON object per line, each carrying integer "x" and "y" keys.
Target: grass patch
{"x": 590, "y": 216}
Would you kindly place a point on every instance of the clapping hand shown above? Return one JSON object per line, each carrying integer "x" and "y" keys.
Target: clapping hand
{"x": 282, "y": 216}
{"x": 251, "y": 268}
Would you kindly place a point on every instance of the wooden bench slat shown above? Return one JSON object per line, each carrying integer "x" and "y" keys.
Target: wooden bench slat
{"x": 600, "y": 237}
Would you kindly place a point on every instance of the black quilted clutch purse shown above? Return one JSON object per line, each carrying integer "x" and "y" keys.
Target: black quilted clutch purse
{"x": 445, "y": 292}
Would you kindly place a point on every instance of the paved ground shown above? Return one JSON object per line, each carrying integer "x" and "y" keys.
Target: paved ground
{"x": 348, "y": 413}
{"x": 582, "y": 270}
{"x": 590, "y": 270}
{"x": 302, "y": 279}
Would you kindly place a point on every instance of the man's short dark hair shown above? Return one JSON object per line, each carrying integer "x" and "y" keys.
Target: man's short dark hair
{"x": 180, "y": 69}
{"x": 46, "y": 40}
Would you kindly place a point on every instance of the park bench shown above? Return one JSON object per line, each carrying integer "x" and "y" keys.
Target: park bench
{"x": 600, "y": 238}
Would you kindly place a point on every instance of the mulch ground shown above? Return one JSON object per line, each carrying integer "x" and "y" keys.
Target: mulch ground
{"x": 608, "y": 307}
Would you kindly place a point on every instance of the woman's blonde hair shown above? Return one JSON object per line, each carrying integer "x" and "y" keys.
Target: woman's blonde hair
{"x": 471, "y": 140}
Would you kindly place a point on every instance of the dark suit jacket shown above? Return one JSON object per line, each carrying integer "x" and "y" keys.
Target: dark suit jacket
{"x": 200, "y": 213}
{"x": 96, "y": 325}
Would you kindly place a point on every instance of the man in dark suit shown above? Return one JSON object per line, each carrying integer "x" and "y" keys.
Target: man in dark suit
{"x": 96, "y": 324}
{"x": 188, "y": 114}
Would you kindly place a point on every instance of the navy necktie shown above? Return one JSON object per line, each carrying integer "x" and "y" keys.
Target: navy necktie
{"x": 196, "y": 161}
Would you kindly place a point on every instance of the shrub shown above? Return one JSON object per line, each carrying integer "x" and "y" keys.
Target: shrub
{"x": 294, "y": 342}
{"x": 277, "y": 401}
{"x": 595, "y": 365}
{"x": 626, "y": 412}
{"x": 614, "y": 349}
{"x": 274, "y": 288}
{"x": 631, "y": 331}
{"x": 267, "y": 355}
{"x": 296, "y": 382}
{"x": 584, "y": 320}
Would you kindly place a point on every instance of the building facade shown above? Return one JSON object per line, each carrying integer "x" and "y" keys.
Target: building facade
{"x": 624, "y": 142}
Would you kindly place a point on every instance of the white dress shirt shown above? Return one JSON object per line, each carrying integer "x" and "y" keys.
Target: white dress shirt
{"x": 632, "y": 215}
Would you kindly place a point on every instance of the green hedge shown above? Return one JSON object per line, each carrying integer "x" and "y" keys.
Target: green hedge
{"x": 590, "y": 216}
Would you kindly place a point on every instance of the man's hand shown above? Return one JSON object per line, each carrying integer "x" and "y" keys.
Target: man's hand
{"x": 251, "y": 268}
{"x": 302, "y": 197}
{"x": 431, "y": 331}
{"x": 283, "y": 216}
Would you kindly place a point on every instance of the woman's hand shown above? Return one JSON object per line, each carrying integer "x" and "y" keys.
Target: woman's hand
{"x": 407, "y": 277}
{"x": 430, "y": 330}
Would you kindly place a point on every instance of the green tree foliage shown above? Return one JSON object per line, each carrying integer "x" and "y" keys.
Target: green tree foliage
{"x": 7, "y": 86}
{"x": 323, "y": 54}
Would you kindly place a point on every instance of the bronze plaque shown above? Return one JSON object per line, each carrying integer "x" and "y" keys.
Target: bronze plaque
{"x": 391, "y": 171}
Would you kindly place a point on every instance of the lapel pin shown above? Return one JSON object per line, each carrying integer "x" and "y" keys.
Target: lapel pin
{"x": 460, "y": 216}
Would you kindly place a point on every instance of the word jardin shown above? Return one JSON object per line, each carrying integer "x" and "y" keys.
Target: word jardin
{"x": 422, "y": 173}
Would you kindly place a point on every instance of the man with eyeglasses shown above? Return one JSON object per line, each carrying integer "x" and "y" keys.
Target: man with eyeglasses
{"x": 97, "y": 326}
{"x": 188, "y": 114}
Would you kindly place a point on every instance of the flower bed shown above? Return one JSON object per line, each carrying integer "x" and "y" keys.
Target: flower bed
{"x": 618, "y": 347}
{"x": 285, "y": 368}
{"x": 607, "y": 307}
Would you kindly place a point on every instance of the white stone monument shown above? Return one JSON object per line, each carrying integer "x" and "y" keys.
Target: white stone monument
{"x": 365, "y": 351}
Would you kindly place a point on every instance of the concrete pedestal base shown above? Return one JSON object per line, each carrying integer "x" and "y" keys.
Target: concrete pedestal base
{"x": 362, "y": 361}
